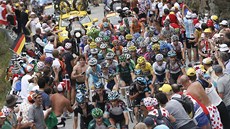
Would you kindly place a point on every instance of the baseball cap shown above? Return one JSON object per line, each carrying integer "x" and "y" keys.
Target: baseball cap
{"x": 166, "y": 88}
{"x": 2, "y": 115}
{"x": 68, "y": 46}
{"x": 208, "y": 30}
{"x": 61, "y": 86}
{"x": 29, "y": 68}
{"x": 48, "y": 60}
{"x": 223, "y": 48}
{"x": 224, "y": 22}
{"x": 207, "y": 60}
{"x": 149, "y": 121}
{"x": 191, "y": 72}
{"x": 188, "y": 15}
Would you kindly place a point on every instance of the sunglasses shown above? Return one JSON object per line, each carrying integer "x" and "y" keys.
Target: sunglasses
{"x": 113, "y": 100}
{"x": 142, "y": 64}
{"x": 92, "y": 65}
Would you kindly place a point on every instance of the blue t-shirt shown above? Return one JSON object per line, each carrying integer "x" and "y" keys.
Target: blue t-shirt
{"x": 45, "y": 100}
{"x": 95, "y": 75}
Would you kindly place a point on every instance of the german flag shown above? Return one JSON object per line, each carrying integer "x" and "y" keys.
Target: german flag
{"x": 18, "y": 44}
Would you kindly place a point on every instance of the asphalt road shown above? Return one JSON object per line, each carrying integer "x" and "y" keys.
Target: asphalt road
{"x": 96, "y": 12}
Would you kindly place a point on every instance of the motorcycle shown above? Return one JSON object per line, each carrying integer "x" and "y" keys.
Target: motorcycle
{"x": 111, "y": 5}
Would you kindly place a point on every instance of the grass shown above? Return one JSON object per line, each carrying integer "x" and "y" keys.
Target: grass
{"x": 5, "y": 56}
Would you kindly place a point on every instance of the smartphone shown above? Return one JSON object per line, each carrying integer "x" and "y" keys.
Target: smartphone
{"x": 83, "y": 73}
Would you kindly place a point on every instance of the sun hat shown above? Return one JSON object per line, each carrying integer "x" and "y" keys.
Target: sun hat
{"x": 10, "y": 100}
{"x": 166, "y": 88}
{"x": 191, "y": 72}
{"x": 207, "y": 61}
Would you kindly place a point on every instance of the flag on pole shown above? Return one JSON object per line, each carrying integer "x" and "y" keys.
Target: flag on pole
{"x": 18, "y": 44}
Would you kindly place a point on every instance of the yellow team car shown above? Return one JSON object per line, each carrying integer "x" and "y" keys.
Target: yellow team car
{"x": 85, "y": 20}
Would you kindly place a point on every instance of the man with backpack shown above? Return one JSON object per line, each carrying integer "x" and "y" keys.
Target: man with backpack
{"x": 183, "y": 121}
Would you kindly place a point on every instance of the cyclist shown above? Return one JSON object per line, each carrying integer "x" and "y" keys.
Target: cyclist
{"x": 133, "y": 53}
{"x": 174, "y": 68}
{"x": 130, "y": 61}
{"x": 104, "y": 49}
{"x": 116, "y": 111}
{"x": 110, "y": 61}
{"x": 156, "y": 50}
{"x": 95, "y": 54}
{"x": 129, "y": 39}
{"x": 100, "y": 97}
{"x": 84, "y": 109}
{"x": 108, "y": 76}
{"x": 117, "y": 49}
{"x": 147, "y": 70}
{"x": 98, "y": 121}
{"x": 94, "y": 71}
{"x": 124, "y": 73}
{"x": 138, "y": 91}
{"x": 159, "y": 68}
{"x": 178, "y": 47}
{"x": 164, "y": 48}
{"x": 143, "y": 48}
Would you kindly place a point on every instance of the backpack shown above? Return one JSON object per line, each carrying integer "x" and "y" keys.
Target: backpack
{"x": 187, "y": 104}
{"x": 160, "y": 119}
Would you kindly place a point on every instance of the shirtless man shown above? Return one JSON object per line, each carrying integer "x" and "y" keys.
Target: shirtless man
{"x": 78, "y": 73}
{"x": 197, "y": 92}
{"x": 60, "y": 103}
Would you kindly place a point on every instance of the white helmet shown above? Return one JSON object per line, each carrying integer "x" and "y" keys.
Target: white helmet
{"x": 40, "y": 65}
{"x": 155, "y": 39}
{"x": 143, "y": 44}
{"x": 94, "y": 51}
{"x": 103, "y": 46}
{"x": 159, "y": 57}
{"x": 128, "y": 56}
{"x": 98, "y": 39}
{"x": 125, "y": 50}
{"x": 109, "y": 55}
{"x": 92, "y": 61}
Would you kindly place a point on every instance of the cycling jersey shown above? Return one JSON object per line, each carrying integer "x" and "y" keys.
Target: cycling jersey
{"x": 174, "y": 68}
{"x": 84, "y": 120}
{"x": 133, "y": 90}
{"x": 125, "y": 73}
{"x": 100, "y": 104}
{"x": 118, "y": 110}
{"x": 105, "y": 124}
{"x": 147, "y": 70}
{"x": 159, "y": 70}
{"x": 94, "y": 74}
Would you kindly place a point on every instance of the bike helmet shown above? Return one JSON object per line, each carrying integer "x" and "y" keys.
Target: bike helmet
{"x": 149, "y": 48}
{"x": 159, "y": 57}
{"x": 128, "y": 56}
{"x": 40, "y": 65}
{"x": 141, "y": 60}
{"x": 143, "y": 44}
{"x": 141, "y": 81}
{"x": 92, "y": 61}
{"x": 113, "y": 95}
{"x": 92, "y": 45}
{"x": 109, "y": 55}
{"x": 128, "y": 37}
{"x": 164, "y": 45}
{"x": 115, "y": 42}
{"x": 121, "y": 28}
{"x": 105, "y": 24}
{"x": 155, "y": 39}
{"x": 138, "y": 72}
{"x": 156, "y": 47}
{"x": 98, "y": 85}
{"x": 171, "y": 53}
{"x": 122, "y": 58}
{"x": 98, "y": 40}
{"x": 139, "y": 39}
{"x": 121, "y": 38}
{"x": 125, "y": 50}
{"x": 106, "y": 38}
{"x": 136, "y": 35}
{"x": 132, "y": 48}
{"x": 108, "y": 33}
{"x": 80, "y": 98}
{"x": 103, "y": 46}
{"x": 174, "y": 38}
{"x": 150, "y": 103}
{"x": 101, "y": 34}
{"x": 84, "y": 38}
{"x": 166, "y": 23}
{"x": 94, "y": 51}
{"x": 97, "y": 113}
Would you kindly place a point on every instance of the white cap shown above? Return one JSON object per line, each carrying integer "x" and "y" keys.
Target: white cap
{"x": 224, "y": 47}
{"x": 188, "y": 15}
{"x": 61, "y": 86}
{"x": 224, "y": 22}
{"x": 194, "y": 15}
{"x": 68, "y": 46}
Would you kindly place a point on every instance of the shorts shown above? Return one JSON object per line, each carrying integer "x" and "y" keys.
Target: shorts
{"x": 80, "y": 85}
{"x": 128, "y": 82}
{"x": 142, "y": 15}
{"x": 160, "y": 78}
{"x": 174, "y": 77}
{"x": 110, "y": 85}
{"x": 190, "y": 45}
{"x": 118, "y": 118}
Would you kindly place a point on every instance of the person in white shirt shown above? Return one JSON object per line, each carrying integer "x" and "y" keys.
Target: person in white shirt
{"x": 48, "y": 49}
{"x": 25, "y": 81}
